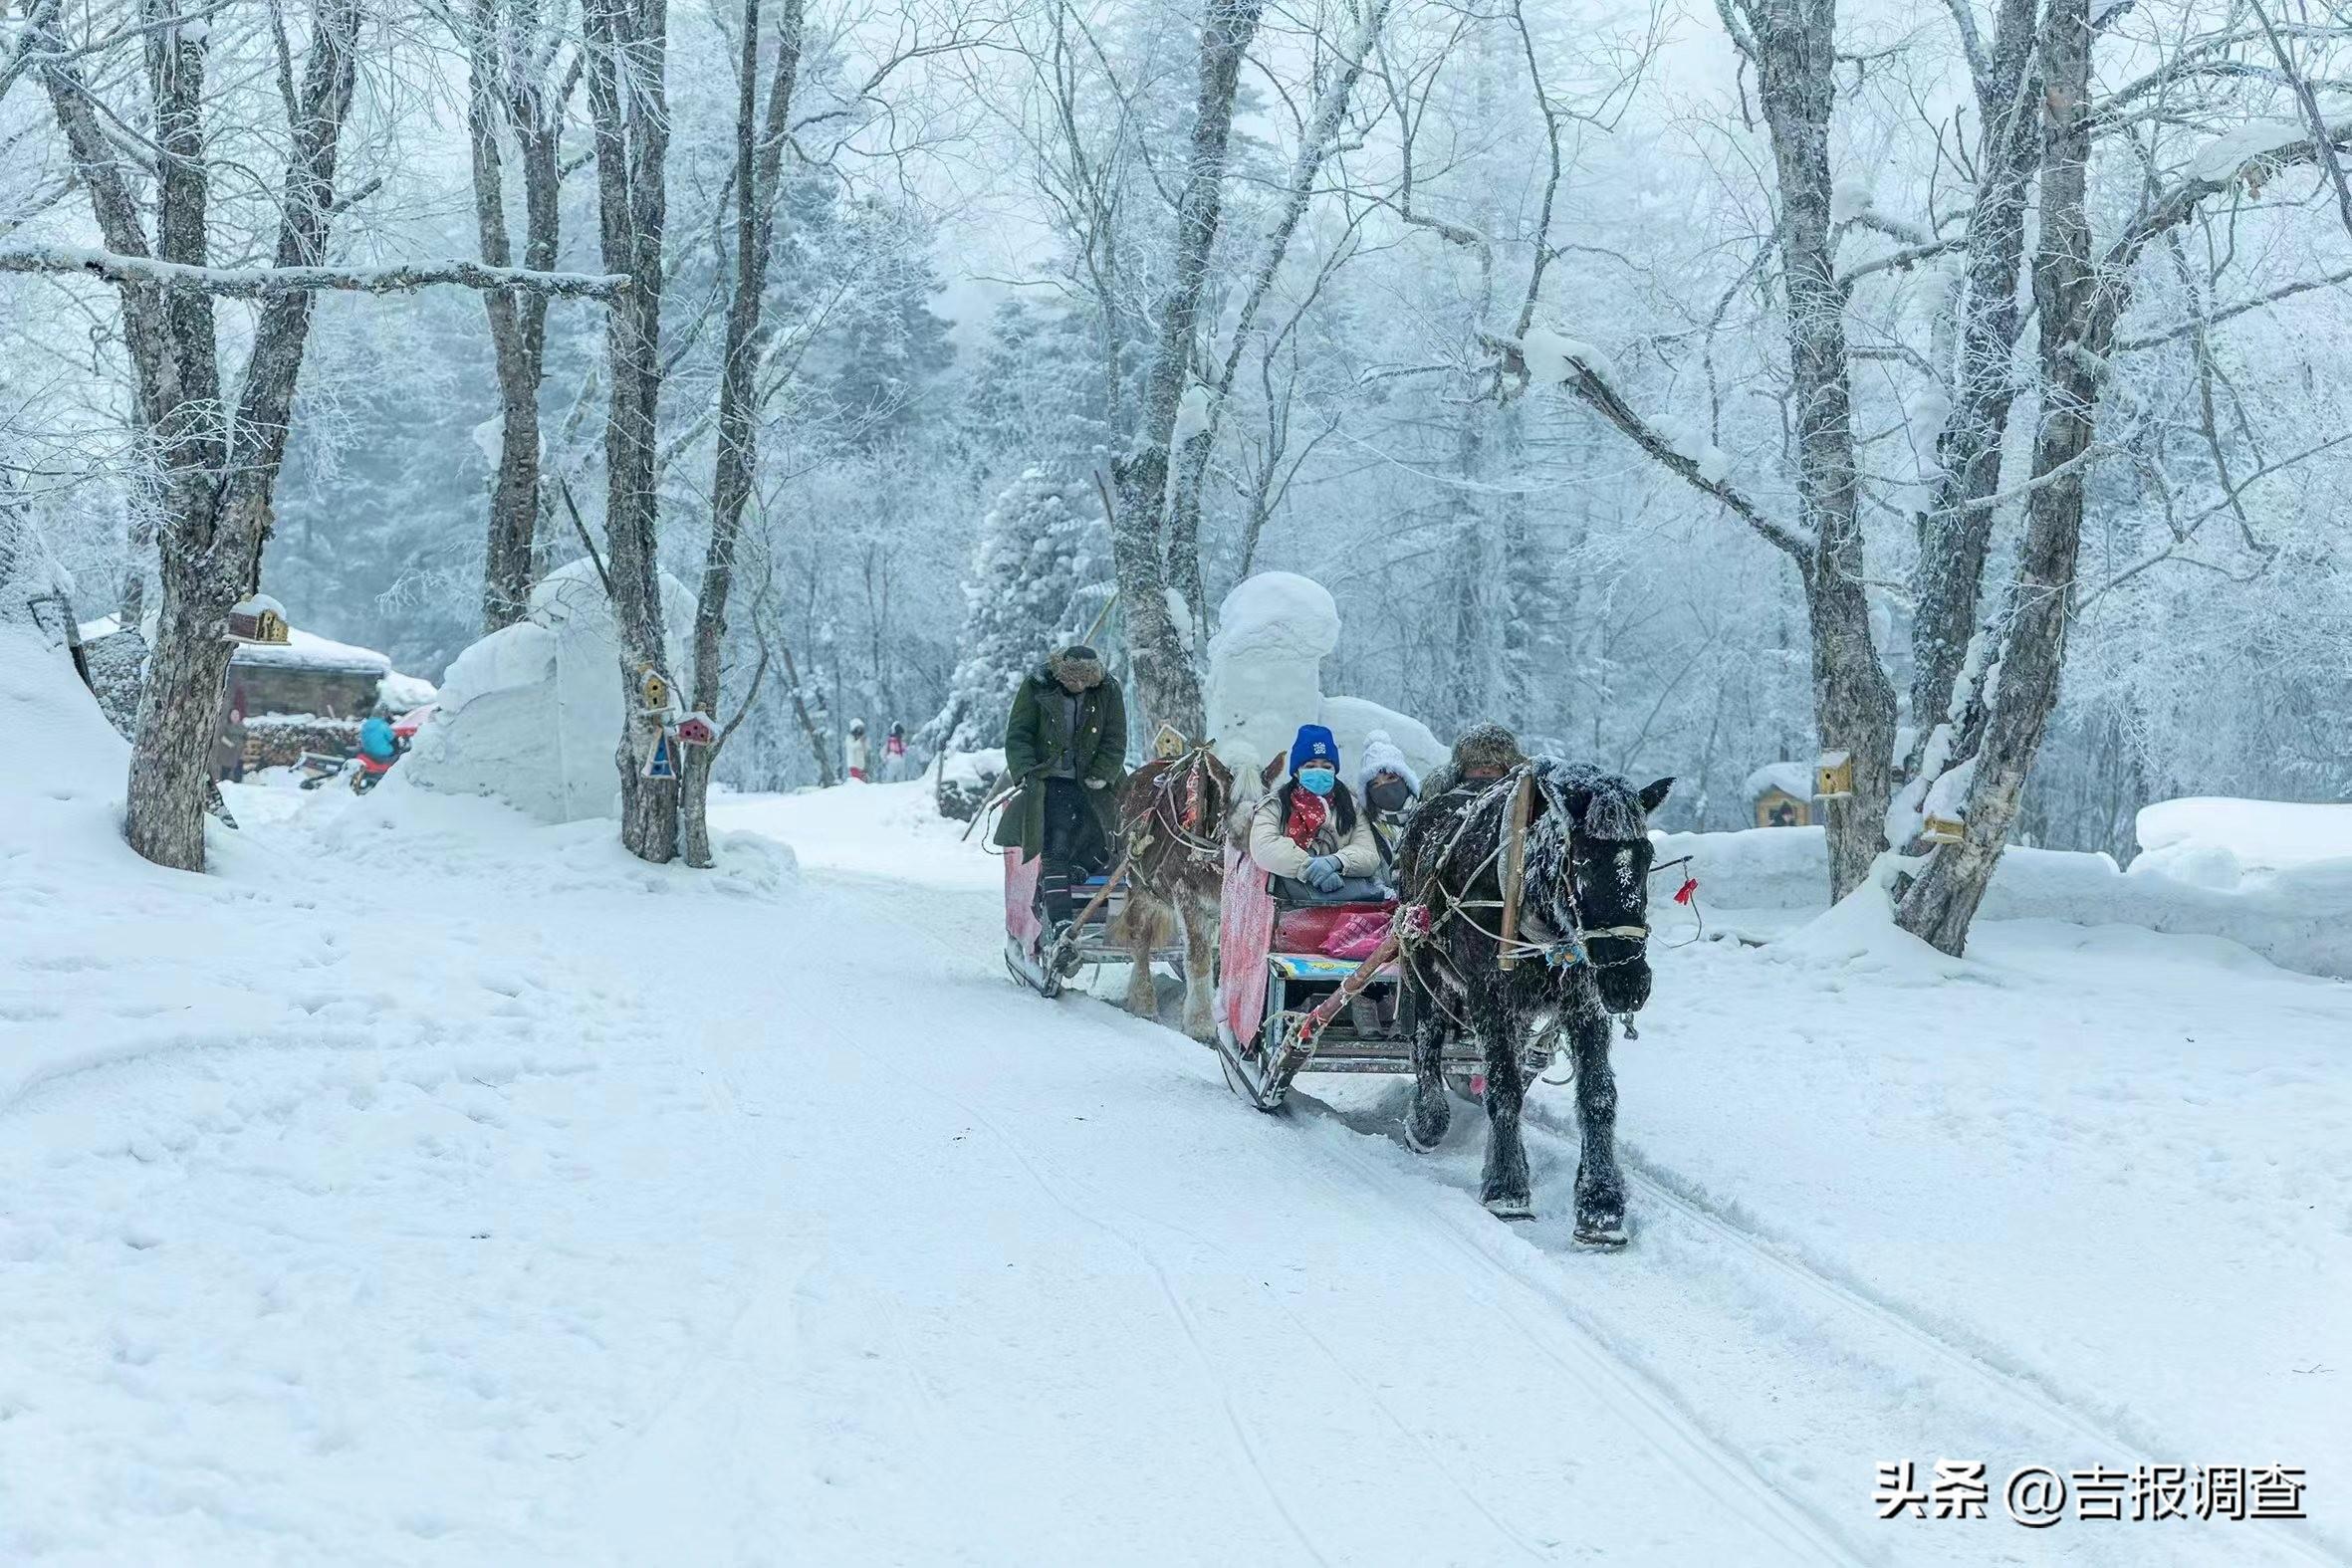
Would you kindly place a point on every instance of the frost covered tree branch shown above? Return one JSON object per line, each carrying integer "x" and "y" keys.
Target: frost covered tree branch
{"x": 262, "y": 283}
{"x": 1566, "y": 366}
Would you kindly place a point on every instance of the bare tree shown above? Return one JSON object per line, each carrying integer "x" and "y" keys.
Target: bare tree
{"x": 628, "y": 47}
{"x": 216, "y": 463}
{"x": 1164, "y": 650}
{"x": 1976, "y": 735}
{"x": 2080, "y": 295}
{"x": 759, "y": 141}
{"x": 515, "y": 81}
{"x": 1318, "y": 141}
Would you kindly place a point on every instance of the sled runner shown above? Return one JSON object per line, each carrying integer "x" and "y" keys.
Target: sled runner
{"x": 1097, "y": 902}
{"x": 1279, "y": 967}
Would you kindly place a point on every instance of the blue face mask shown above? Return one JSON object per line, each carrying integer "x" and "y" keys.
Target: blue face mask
{"x": 1318, "y": 780}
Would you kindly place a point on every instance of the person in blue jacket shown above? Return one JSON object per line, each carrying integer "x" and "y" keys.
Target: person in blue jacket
{"x": 376, "y": 739}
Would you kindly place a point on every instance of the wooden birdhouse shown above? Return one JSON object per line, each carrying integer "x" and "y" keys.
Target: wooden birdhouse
{"x": 1779, "y": 808}
{"x": 1942, "y": 829}
{"x": 653, "y": 690}
{"x": 1169, "y": 741}
{"x": 258, "y": 619}
{"x": 1833, "y": 776}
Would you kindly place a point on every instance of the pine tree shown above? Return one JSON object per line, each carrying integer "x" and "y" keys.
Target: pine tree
{"x": 1035, "y": 573}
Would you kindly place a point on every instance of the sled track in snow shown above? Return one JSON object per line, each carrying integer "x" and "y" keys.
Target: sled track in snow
{"x": 1985, "y": 1364}
{"x": 1643, "y": 1401}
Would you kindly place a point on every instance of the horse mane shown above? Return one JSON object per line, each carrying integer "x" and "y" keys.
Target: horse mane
{"x": 1572, "y": 799}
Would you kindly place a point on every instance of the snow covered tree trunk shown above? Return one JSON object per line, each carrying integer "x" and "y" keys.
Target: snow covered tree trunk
{"x": 1321, "y": 134}
{"x": 759, "y": 156}
{"x": 216, "y": 473}
{"x": 627, "y": 44}
{"x": 1938, "y": 906}
{"x": 1794, "y": 50}
{"x": 517, "y": 320}
{"x": 1150, "y": 565}
{"x": 1956, "y": 530}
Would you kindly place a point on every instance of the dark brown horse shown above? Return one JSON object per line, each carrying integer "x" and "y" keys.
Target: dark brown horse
{"x": 1171, "y": 824}
{"x": 1578, "y": 954}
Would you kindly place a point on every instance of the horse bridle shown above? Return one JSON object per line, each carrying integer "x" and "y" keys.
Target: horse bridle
{"x": 1561, "y": 950}
{"x": 1178, "y": 821}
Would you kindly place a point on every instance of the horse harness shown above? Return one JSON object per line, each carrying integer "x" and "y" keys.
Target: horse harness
{"x": 1179, "y": 809}
{"x": 1415, "y": 923}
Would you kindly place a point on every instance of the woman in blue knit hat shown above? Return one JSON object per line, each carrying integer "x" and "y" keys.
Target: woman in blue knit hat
{"x": 1312, "y": 833}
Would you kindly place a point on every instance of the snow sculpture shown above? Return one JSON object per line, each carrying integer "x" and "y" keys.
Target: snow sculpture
{"x": 531, "y": 714}
{"x": 1266, "y": 665}
{"x": 1274, "y": 631}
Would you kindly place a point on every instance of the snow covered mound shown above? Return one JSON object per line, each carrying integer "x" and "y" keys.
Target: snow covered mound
{"x": 2299, "y": 918}
{"x": 1274, "y": 631}
{"x": 2255, "y": 835}
{"x": 870, "y": 830}
{"x": 531, "y": 715}
{"x": 63, "y": 767}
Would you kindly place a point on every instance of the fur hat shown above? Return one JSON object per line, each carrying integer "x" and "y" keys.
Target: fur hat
{"x": 1315, "y": 745}
{"x": 1077, "y": 665}
{"x": 1485, "y": 748}
{"x": 1380, "y": 756}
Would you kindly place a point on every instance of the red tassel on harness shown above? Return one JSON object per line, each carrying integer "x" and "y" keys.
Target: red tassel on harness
{"x": 1682, "y": 894}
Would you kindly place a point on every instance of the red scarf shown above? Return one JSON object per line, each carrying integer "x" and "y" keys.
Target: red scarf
{"x": 1308, "y": 812}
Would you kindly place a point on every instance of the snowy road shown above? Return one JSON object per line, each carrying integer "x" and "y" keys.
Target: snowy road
{"x": 563, "y": 1210}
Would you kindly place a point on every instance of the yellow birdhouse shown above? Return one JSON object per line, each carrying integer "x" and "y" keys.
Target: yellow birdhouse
{"x": 653, "y": 689}
{"x": 1169, "y": 741}
{"x": 1942, "y": 829}
{"x": 1833, "y": 776}
{"x": 258, "y": 619}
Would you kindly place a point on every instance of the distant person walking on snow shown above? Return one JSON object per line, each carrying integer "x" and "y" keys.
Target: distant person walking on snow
{"x": 894, "y": 755}
{"x": 854, "y": 750}
{"x": 1066, "y": 747}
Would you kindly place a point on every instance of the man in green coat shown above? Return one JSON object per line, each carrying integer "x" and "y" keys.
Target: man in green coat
{"x": 1065, "y": 746}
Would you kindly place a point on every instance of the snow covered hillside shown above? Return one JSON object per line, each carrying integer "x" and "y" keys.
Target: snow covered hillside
{"x": 431, "y": 1186}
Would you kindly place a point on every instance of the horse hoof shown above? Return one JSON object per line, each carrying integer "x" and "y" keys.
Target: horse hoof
{"x": 1607, "y": 1237}
{"x": 1511, "y": 1208}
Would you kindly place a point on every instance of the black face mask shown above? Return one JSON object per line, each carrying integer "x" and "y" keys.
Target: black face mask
{"x": 1389, "y": 794}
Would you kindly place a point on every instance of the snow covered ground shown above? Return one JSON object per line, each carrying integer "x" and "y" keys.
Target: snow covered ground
{"x": 429, "y": 1186}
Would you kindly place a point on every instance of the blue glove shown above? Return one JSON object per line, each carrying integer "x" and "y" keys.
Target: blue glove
{"x": 1323, "y": 873}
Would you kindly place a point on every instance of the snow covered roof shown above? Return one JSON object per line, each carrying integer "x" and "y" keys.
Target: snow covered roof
{"x": 303, "y": 649}
{"x": 1791, "y": 779}
{"x": 308, "y": 650}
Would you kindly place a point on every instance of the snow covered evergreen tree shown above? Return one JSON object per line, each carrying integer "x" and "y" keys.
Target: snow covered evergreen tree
{"x": 1035, "y": 574}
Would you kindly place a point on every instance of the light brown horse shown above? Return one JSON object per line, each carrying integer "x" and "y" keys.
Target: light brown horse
{"x": 1171, "y": 823}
